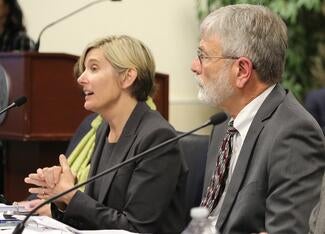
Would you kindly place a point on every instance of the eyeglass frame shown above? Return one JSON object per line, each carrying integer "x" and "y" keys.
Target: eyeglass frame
{"x": 201, "y": 56}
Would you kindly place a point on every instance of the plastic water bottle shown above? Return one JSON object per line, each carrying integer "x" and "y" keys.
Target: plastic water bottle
{"x": 200, "y": 224}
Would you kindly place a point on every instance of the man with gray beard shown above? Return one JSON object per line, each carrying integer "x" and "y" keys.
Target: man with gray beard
{"x": 265, "y": 163}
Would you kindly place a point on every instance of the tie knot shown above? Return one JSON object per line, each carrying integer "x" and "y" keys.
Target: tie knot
{"x": 231, "y": 129}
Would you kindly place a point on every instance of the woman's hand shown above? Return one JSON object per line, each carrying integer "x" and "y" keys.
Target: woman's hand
{"x": 53, "y": 180}
{"x": 66, "y": 181}
{"x": 43, "y": 178}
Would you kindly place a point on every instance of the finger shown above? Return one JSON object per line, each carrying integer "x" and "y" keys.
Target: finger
{"x": 35, "y": 176}
{"x": 41, "y": 192}
{"x": 66, "y": 171}
{"x": 56, "y": 174}
{"x": 43, "y": 196}
{"x": 49, "y": 175}
{"x": 40, "y": 173}
{"x": 64, "y": 163}
{"x": 28, "y": 180}
{"x": 37, "y": 190}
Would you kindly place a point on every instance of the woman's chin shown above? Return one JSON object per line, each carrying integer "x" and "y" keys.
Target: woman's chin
{"x": 89, "y": 107}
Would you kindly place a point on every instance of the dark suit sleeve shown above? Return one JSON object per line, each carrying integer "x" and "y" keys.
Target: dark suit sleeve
{"x": 312, "y": 104}
{"x": 295, "y": 171}
{"x": 152, "y": 184}
{"x": 317, "y": 217}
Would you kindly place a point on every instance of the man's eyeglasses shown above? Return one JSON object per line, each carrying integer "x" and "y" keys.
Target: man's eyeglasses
{"x": 201, "y": 56}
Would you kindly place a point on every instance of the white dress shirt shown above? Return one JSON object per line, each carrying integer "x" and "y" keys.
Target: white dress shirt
{"x": 242, "y": 122}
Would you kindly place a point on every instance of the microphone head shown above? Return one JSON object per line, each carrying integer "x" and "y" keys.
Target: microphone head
{"x": 218, "y": 118}
{"x": 20, "y": 101}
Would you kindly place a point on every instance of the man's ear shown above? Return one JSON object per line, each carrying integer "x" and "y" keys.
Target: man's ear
{"x": 244, "y": 71}
{"x": 129, "y": 77}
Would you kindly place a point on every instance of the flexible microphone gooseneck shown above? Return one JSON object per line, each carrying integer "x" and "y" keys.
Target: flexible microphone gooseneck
{"x": 215, "y": 119}
{"x": 37, "y": 44}
{"x": 18, "y": 102}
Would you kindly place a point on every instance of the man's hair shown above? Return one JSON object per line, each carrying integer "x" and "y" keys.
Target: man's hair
{"x": 125, "y": 52}
{"x": 252, "y": 31}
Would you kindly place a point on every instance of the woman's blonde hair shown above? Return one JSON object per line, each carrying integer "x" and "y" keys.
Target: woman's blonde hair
{"x": 125, "y": 52}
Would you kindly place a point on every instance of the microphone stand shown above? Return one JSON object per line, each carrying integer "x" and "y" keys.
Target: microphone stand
{"x": 7, "y": 108}
{"x": 18, "y": 102}
{"x": 215, "y": 119}
{"x": 37, "y": 44}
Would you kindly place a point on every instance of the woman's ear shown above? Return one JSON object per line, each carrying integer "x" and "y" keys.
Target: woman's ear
{"x": 244, "y": 71}
{"x": 129, "y": 77}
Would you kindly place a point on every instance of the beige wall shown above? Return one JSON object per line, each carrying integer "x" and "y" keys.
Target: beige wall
{"x": 168, "y": 27}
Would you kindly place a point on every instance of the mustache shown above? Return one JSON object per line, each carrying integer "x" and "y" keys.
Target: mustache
{"x": 199, "y": 82}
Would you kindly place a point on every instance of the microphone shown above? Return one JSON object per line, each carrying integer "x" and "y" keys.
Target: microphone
{"x": 18, "y": 102}
{"x": 214, "y": 120}
{"x": 37, "y": 44}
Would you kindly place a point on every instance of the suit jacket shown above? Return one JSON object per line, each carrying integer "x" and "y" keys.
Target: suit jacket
{"x": 314, "y": 103}
{"x": 144, "y": 196}
{"x": 276, "y": 179}
{"x": 317, "y": 217}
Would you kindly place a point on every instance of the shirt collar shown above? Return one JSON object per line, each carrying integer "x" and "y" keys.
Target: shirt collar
{"x": 245, "y": 117}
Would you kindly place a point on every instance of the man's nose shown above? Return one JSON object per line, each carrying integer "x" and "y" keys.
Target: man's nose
{"x": 196, "y": 66}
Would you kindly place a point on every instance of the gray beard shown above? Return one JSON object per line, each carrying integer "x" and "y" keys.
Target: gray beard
{"x": 216, "y": 91}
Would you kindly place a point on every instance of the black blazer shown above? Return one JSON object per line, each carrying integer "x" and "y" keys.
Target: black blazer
{"x": 146, "y": 196}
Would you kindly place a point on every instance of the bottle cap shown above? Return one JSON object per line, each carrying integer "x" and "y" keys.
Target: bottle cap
{"x": 199, "y": 212}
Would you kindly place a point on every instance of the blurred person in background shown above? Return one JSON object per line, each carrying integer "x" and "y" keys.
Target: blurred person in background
{"x": 13, "y": 35}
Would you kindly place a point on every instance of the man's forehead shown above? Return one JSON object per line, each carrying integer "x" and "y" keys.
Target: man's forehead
{"x": 209, "y": 43}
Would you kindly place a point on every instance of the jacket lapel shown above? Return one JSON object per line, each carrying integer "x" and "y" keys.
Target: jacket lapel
{"x": 266, "y": 110}
{"x": 123, "y": 146}
{"x": 216, "y": 138}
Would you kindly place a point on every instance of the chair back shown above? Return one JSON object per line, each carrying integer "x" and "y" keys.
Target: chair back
{"x": 195, "y": 149}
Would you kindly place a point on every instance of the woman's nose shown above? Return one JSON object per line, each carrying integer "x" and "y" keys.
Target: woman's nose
{"x": 81, "y": 79}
